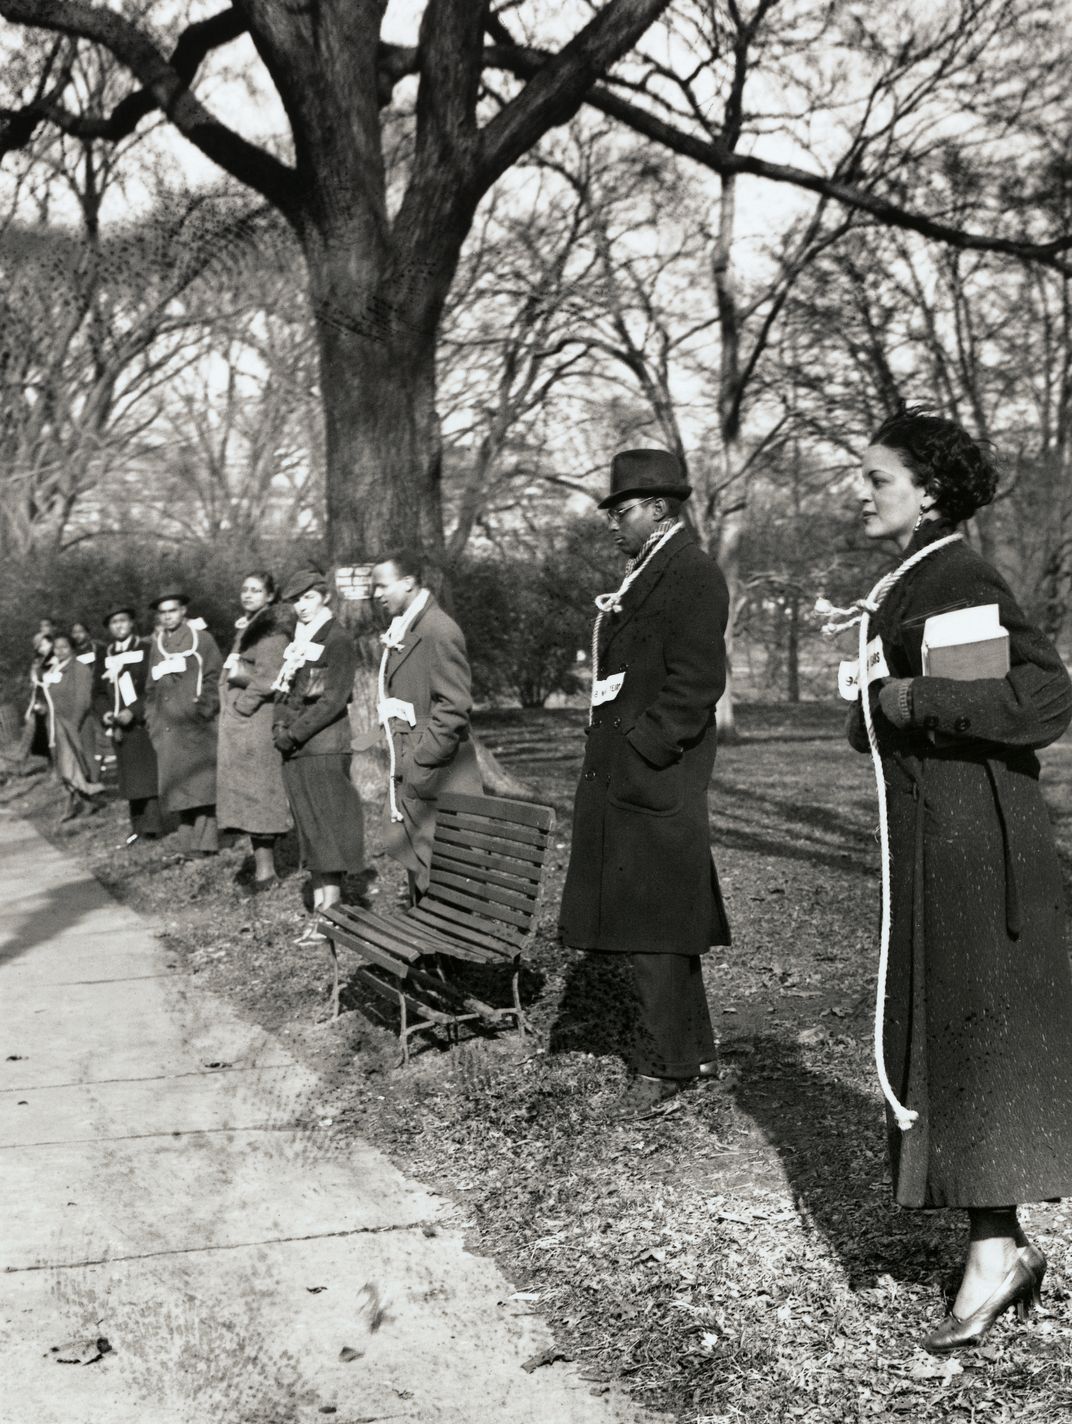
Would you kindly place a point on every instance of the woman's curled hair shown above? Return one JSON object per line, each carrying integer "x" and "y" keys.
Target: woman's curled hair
{"x": 956, "y": 470}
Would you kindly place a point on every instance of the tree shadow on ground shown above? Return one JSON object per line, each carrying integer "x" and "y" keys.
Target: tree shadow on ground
{"x": 830, "y": 1139}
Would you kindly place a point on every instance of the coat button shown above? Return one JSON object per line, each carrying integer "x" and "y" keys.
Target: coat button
{"x": 930, "y": 722}
{"x": 617, "y": 722}
{"x": 597, "y": 721}
{"x": 962, "y": 724}
{"x": 589, "y": 776}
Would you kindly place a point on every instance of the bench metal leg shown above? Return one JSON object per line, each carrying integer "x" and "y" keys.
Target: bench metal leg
{"x": 403, "y": 1030}
{"x": 523, "y": 1025}
{"x": 334, "y": 980}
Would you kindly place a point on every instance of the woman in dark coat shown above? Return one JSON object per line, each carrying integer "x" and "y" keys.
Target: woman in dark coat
{"x": 120, "y": 705}
{"x": 312, "y": 731}
{"x": 66, "y": 690}
{"x": 35, "y": 738}
{"x": 250, "y": 795}
{"x": 88, "y": 652}
{"x": 977, "y": 1028}
{"x": 183, "y": 700}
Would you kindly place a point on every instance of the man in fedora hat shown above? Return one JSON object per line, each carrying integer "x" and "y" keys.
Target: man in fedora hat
{"x": 182, "y": 705}
{"x": 119, "y": 702}
{"x": 642, "y": 882}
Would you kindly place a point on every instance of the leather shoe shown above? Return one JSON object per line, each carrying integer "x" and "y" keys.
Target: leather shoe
{"x": 644, "y": 1098}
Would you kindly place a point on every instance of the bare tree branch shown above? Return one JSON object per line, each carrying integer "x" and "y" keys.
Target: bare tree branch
{"x": 714, "y": 153}
{"x": 165, "y": 85}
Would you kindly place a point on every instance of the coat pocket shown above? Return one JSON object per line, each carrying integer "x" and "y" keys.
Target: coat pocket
{"x": 636, "y": 785}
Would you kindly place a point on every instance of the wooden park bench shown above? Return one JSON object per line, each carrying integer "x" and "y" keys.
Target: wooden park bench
{"x": 481, "y": 906}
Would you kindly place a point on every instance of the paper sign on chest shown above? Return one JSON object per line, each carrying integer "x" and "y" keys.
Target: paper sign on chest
{"x": 849, "y": 671}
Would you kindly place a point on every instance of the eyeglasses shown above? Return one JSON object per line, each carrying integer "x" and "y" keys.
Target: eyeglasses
{"x": 615, "y": 516}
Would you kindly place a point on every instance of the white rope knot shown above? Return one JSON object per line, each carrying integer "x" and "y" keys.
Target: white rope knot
{"x": 904, "y": 1117}
{"x": 608, "y": 603}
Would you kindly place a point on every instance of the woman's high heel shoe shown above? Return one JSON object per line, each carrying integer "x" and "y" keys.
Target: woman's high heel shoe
{"x": 1020, "y": 1288}
{"x": 1035, "y": 1261}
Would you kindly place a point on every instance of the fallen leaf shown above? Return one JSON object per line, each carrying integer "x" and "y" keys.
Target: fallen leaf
{"x": 347, "y": 1353}
{"x": 315, "y": 1290}
{"x": 546, "y": 1357}
{"x": 936, "y": 1369}
{"x": 650, "y": 1253}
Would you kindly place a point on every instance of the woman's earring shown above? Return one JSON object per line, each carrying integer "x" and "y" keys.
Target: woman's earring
{"x": 923, "y": 510}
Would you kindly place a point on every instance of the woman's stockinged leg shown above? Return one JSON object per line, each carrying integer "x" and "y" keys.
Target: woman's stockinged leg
{"x": 263, "y": 857}
{"x": 994, "y": 1239}
{"x": 1004, "y": 1271}
{"x": 327, "y": 889}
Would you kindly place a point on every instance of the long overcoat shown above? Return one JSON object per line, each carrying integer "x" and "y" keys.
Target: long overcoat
{"x": 316, "y": 770}
{"x": 135, "y": 759}
{"x": 70, "y": 701}
{"x": 431, "y": 673}
{"x": 88, "y": 654}
{"x": 978, "y": 1014}
{"x": 250, "y": 795}
{"x": 641, "y": 876}
{"x": 181, "y": 716}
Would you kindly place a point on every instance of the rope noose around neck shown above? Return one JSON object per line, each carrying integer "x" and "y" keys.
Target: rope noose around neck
{"x": 612, "y": 602}
{"x": 905, "y": 1117}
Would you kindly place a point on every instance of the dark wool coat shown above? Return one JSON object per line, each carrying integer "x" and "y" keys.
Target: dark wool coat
{"x": 978, "y": 1027}
{"x": 135, "y": 759}
{"x": 93, "y": 743}
{"x": 314, "y": 710}
{"x": 325, "y": 803}
{"x": 182, "y": 724}
{"x": 431, "y": 672}
{"x": 641, "y": 875}
{"x": 250, "y": 795}
{"x": 71, "y": 699}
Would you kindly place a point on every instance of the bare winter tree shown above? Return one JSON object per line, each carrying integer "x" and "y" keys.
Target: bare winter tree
{"x": 378, "y": 279}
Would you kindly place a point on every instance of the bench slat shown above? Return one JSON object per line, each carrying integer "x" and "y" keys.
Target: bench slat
{"x": 521, "y": 872}
{"x": 456, "y": 835}
{"x": 499, "y": 808}
{"x": 504, "y": 831}
{"x": 489, "y": 909}
{"x": 483, "y": 889}
{"x": 448, "y": 919}
{"x": 407, "y": 941}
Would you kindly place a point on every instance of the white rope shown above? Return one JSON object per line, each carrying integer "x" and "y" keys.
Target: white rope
{"x": 189, "y": 653}
{"x": 392, "y": 641}
{"x": 612, "y": 602}
{"x": 904, "y": 1116}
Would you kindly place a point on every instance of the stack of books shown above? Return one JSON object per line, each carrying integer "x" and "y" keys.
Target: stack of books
{"x": 966, "y": 643}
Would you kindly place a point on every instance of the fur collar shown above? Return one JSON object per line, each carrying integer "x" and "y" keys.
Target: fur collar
{"x": 271, "y": 619}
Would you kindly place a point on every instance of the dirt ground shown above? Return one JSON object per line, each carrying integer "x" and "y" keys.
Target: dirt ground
{"x": 738, "y": 1259}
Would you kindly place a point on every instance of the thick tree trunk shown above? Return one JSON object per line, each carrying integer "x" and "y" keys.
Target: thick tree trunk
{"x": 382, "y": 438}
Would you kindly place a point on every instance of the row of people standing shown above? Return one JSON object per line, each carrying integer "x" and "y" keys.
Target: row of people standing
{"x": 260, "y": 741}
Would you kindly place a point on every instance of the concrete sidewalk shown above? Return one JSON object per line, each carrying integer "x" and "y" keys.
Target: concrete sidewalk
{"x": 161, "y": 1193}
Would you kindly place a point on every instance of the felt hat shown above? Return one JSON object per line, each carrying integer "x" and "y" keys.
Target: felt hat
{"x": 645, "y": 473}
{"x": 122, "y": 608}
{"x": 171, "y": 593}
{"x": 301, "y": 581}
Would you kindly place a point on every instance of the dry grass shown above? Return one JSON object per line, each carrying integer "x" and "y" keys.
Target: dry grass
{"x": 738, "y": 1259}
